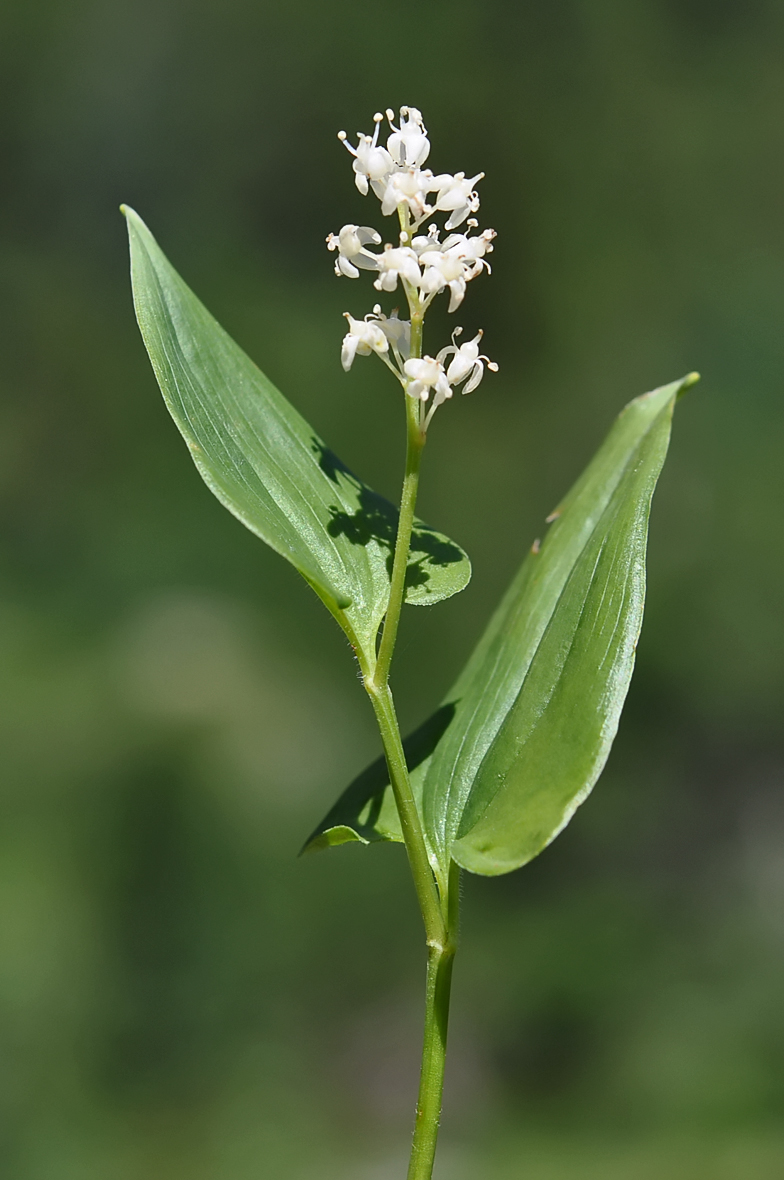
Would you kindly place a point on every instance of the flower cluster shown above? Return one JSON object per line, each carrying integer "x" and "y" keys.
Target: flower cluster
{"x": 422, "y": 262}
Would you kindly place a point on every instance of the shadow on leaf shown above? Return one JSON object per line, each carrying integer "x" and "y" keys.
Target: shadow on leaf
{"x": 359, "y": 807}
{"x": 375, "y": 519}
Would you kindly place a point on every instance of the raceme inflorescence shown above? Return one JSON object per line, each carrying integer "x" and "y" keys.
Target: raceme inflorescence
{"x": 421, "y": 262}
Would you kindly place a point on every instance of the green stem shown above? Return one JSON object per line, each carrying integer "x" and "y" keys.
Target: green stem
{"x": 431, "y": 1082}
{"x": 377, "y": 684}
{"x": 397, "y": 588}
{"x": 438, "y": 901}
{"x": 410, "y": 823}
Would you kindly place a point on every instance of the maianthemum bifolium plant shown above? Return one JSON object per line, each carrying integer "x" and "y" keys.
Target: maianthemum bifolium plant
{"x": 518, "y": 742}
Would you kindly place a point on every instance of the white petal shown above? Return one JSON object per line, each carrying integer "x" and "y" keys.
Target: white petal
{"x": 475, "y": 378}
{"x": 415, "y": 367}
{"x": 432, "y": 280}
{"x": 389, "y": 202}
{"x": 443, "y": 388}
{"x": 411, "y": 272}
{"x": 365, "y": 260}
{"x": 459, "y": 369}
{"x": 377, "y": 340}
{"x": 457, "y": 288}
{"x": 458, "y": 217}
{"x": 348, "y": 351}
{"x": 346, "y": 268}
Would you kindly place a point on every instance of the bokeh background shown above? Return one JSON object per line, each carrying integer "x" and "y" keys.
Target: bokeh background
{"x": 180, "y": 997}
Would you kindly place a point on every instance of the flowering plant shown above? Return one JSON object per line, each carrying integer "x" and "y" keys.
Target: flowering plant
{"x": 500, "y": 767}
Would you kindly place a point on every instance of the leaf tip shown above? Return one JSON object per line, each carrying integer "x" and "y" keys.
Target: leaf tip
{"x": 132, "y": 218}
{"x": 687, "y": 382}
{"x": 331, "y": 838}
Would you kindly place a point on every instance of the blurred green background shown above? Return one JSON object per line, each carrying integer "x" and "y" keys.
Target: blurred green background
{"x": 180, "y": 997}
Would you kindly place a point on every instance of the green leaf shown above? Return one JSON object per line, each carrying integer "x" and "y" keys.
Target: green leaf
{"x": 268, "y": 466}
{"x": 538, "y": 705}
{"x": 528, "y": 725}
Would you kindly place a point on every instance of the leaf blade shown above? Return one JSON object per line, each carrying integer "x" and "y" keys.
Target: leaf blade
{"x": 263, "y": 461}
{"x": 475, "y": 804}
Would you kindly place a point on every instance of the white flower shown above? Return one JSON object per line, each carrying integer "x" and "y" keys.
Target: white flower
{"x": 400, "y": 261}
{"x": 409, "y": 187}
{"x": 453, "y": 263}
{"x": 426, "y": 374}
{"x": 456, "y": 196}
{"x": 350, "y": 244}
{"x": 371, "y": 162}
{"x": 363, "y": 337}
{"x": 467, "y": 362}
{"x": 445, "y": 269}
{"x": 397, "y": 331}
{"x": 408, "y": 145}
{"x": 476, "y": 247}
{"x": 421, "y": 243}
